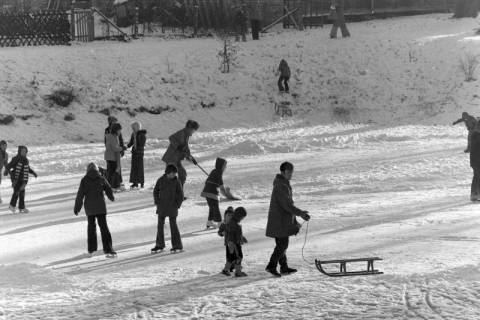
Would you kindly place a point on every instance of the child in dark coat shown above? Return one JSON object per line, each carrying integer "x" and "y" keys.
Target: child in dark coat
{"x": 137, "y": 142}
{"x": 3, "y": 160}
{"x": 233, "y": 240}
{"x": 284, "y": 71}
{"x": 19, "y": 170}
{"x": 211, "y": 192}
{"x": 168, "y": 197}
{"x": 92, "y": 189}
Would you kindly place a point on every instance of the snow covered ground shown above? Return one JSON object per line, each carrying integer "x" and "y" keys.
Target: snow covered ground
{"x": 396, "y": 187}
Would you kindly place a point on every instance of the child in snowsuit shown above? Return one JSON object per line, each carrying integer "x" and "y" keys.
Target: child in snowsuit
{"x": 234, "y": 239}
{"x": 19, "y": 170}
{"x": 470, "y": 123}
{"x": 168, "y": 197}
{"x": 137, "y": 142}
{"x": 227, "y": 216}
{"x": 3, "y": 159}
{"x": 284, "y": 71}
{"x": 211, "y": 192}
{"x": 92, "y": 189}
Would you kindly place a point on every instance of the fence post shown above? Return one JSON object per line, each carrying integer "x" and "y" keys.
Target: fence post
{"x": 372, "y": 6}
{"x": 195, "y": 18}
{"x": 72, "y": 18}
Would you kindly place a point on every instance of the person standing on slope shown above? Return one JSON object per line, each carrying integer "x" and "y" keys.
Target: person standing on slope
{"x": 213, "y": 184}
{"x": 337, "y": 7}
{"x": 3, "y": 160}
{"x": 282, "y": 221}
{"x": 19, "y": 170}
{"x": 92, "y": 189}
{"x": 470, "y": 123}
{"x": 137, "y": 142}
{"x": 284, "y": 71}
{"x": 475, "y": 163}
{"x": 179, "y": 150}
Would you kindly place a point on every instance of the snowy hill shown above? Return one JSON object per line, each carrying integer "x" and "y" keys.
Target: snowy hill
{"x": 398, "y": 70}
{"x": 383, "y": 175}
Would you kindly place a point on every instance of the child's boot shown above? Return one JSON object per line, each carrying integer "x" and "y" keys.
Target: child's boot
{"x": 238, "y": 271}
{"x": 226, "y": 270}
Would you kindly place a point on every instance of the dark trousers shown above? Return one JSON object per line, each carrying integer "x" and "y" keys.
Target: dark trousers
{"x": 112, "y": 175}
{"x": 279, "y": 255}
{"x": 92, "y": 233}
{"x": 174, "y": 233}
{"x": 18, "y": 194}
{"x": 137, "y": 169}
{"x": 339, "y": 23}
{"x": 213, "y": 210}
{"x": 236, "y": 256}
{"x": 285, "y": 83}
{"x": 182, "y": 173}
{"x": 255, "y": 23}
{"x": 475, "y": 188}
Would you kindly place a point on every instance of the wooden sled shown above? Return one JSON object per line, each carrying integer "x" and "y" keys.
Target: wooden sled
{"x": 343, "y": 267}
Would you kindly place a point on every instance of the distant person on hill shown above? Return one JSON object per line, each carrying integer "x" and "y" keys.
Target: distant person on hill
{"x": 137, "y": 142}
{"x": 241, "y": 23}
{"x": 3, "y": 160}
{"x": 112, "y": 156}
{"x": 179, "y": 150}
{"x": 282, "y": 222}
{"x": 213, "y": 185}
{"x": 168, "y": 197}
{"x": 336, "y": 7}
{"x": 470, "y": 123}
{"x": 19, "y": 170}
{"x": 91, "y": 193}
{"x": 111, "y": 121}
{"x": 284, "y": 71}
{"x": 475, "y": 163}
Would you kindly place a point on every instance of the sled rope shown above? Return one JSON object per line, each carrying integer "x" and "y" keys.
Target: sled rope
{"x": 308, "y": 263}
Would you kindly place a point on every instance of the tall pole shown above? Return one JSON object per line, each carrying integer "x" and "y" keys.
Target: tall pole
{"x": 72, "y": 19}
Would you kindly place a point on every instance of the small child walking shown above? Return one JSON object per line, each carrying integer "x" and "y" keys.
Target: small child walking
{"x": 234, "y": 240}
{"x": 19, "y": 170}
{"x": 227, "y": 216}
{"x": 3, "y": 160}
{"x": 211, "y": 192}
{"x": 284, "y": 71}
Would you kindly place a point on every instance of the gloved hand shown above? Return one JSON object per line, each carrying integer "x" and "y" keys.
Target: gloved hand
{"x": 244, "y": 240}
{"x": 35, "y": 175}
{"x": 76, "y": 213}
{"x": 305, "y": 216}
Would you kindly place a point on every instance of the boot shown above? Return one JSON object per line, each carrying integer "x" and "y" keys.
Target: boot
{"x": 287, "y": 270}
{"x": 239, "y": 272}
{"x": 273, "y": 271}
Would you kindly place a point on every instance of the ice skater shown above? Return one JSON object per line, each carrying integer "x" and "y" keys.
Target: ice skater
{"x": 3, "y": 160}
{"x": 108, "y": 130}
{"x": 213, "y": 185}
{"x": 19, "y": 170}
{"x": 113, "y": 156}
{"x": 470, "y": 123}
{"x": 234, "y": 240}
{"x": 168, "y": 197}
{"x": 179, "y": 150}
{"x": 282, "y": 221}
{"x": 137, "y": 142}
{"x": 284, "y": 71}
{"x": 91, "y": 193}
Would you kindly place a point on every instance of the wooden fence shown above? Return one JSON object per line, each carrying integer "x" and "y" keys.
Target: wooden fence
{"x": 34, "y": 28}
{"x": 82, "y": 25}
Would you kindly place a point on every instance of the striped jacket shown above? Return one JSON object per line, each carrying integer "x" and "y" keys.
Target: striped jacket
{"x": 19, "y": 168}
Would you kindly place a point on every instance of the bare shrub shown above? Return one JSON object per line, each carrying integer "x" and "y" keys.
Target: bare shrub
{"x": 62, "y": 96}
{"x": 469, "y": 64}
{"x": 69, "y": 117}
{"x": 341, "y": 113}
{"x": 6, "y": 119}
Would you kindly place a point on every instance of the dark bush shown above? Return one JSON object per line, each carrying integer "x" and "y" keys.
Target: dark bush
{"x": 69, "y": 117}
{"x": 62, "y": 97}
{"x": 105, "y": 111}
{"x": 467, "y": 8}
{"x": 6, "y": 119}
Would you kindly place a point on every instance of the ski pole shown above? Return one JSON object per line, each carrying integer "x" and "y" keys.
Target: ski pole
{"x": 202, "y": 169}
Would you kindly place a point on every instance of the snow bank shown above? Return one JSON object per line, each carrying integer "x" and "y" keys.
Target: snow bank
{"x": 33, "y": 277}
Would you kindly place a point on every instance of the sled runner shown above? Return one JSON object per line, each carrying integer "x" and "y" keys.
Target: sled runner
{"x": 343, "y": 267}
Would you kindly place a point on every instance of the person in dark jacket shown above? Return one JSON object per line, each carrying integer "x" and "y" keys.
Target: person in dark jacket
{"x": 108, "y": 130}
{"x": 470, "y": 123}
{"x": 179, "y": 150}
{"x": 19, "y": 170}
{"x": 91, "y": 193}
{"x": 113, "y": 151}
{"x": 475, "y": 163}
{"x": 168, "y": 197}
{"x": 241, "y": 23}
{"x": 282, "y": 221}
{"x": 222, "y": 229}
{"x": 3, "y": 160}
{"x": 137, "y": 142}
{"x": 234, "y": 239}
{"x": 284, "y": 71}
{"x": 213, "y": 184}
{"x": 339, "y": 21}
